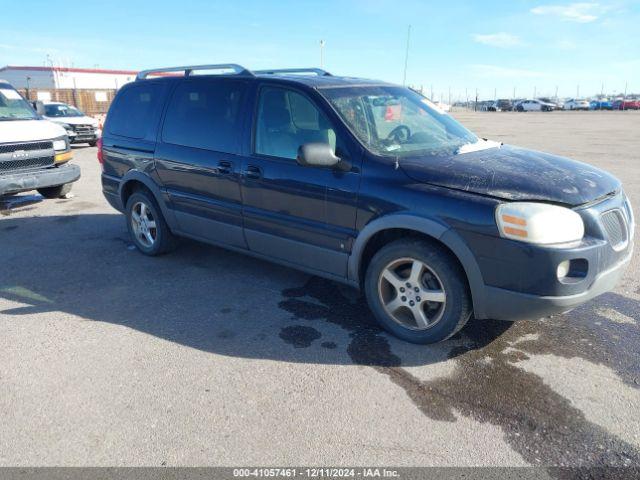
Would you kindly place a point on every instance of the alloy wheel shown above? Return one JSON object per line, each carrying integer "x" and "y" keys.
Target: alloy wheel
{"x": 144, "y": 224}
{"x": 412, "y": 294}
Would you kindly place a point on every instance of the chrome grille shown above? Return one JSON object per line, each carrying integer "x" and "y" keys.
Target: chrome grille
{"x": 24, "y": 156}
{"x": 13, "y": 147}
{"x": 26, "y": 163}
{"x": 83, "y": 129}
{"x": 615, "y": 226}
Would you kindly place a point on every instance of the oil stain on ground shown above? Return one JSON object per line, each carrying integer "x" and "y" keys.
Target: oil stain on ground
{"x": 487, "y": 384}
{"x": 299, "y": 336}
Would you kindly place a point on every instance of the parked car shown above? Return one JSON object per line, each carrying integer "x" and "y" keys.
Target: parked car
{"x": 551, "y": 101}
{"x": 600, "y": 104}
{"x": 628, "y": 104}
{"x": 576, "y": 104}
{"x": 34, "y": 153}
{"x": 534, "y": 106}
{"x": 501, "y": 105}
{"x": 80, "y": 127}
{"x": 365, "y": 183}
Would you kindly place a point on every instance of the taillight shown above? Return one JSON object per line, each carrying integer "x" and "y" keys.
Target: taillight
{"x": 99, "y": 153}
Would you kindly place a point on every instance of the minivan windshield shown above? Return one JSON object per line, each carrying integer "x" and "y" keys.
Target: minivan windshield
{"x": 13, "y": 106}
{"x": 397, "y": 121}
{"x": 61, "y": 110}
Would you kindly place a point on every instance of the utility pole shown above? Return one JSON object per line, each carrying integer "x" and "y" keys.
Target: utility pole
{"x": 406, "y": 57}
{"x": 514, "y": 93}
{"x": 431, "y": 97}
{"x": 534, "y": 92}
{"x": 495, "y": 94}
{"x": 624, "y": 98}
{"x": 578, "y": 92}
{"x": 556, "y": 97}
{"x": 321, "y": 53}
{"x": 449, "y": 96}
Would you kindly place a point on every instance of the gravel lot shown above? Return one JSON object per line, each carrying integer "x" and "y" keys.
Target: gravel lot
{"x": 205, "y": 357}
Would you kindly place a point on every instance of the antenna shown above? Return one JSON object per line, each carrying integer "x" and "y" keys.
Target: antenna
{"x": 406, "y": 57}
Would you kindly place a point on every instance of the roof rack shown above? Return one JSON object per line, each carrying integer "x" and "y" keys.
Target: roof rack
{"x": 188, "y": 70}
{"x": 318, "y": 71}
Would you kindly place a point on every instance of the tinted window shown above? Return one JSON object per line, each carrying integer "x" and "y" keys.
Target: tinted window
{"x": 204, "y": 114}
{"x": 286, "y": 120}
{"x": 135, "y": 110}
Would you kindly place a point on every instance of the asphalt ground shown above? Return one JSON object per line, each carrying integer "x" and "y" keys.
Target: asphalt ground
{"x": 206, "y": 357}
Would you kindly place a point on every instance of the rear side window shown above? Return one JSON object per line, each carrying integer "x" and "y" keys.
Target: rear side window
{"x": 135, "y": 110}
{"x": 205, "y": 114}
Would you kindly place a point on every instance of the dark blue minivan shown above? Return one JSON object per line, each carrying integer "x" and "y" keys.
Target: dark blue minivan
{"x": 366, "y": 183}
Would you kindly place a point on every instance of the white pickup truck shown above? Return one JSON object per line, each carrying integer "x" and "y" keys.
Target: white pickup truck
{"x": 34, "y": 152}
{"x": 80, "y": 127}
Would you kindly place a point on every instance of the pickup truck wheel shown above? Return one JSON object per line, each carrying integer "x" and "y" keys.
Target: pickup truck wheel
{"x": 93, "y": 143}
{"x": 147, "y": 227}
{"x": 55, "y": 192}
{"x": 417, "y": 291}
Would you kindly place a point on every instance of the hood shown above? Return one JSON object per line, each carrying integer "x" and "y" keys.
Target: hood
{"x": 514, "y": 173}
{"x": 74, "y": 120}
{"x": 29, "y": 131}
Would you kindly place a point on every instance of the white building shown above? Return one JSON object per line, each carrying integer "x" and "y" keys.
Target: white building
{"x": 50, "y": 78}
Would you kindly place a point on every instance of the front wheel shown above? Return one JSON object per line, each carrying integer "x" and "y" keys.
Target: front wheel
{"x": 55, "y": 192}
{"x": 93, "y": 143}
{"x": 418, "y": 291}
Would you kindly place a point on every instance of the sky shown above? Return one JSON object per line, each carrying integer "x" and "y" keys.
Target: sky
{"x": 454, "y": 46}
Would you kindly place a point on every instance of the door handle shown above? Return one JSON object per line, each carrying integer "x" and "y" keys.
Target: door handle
{"x": 224, "y": 167}
{"x": 253, "y": 172}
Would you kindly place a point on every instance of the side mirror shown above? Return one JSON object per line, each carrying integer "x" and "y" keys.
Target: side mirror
{"x": 321, "y": 155}
{"x": 39, "y": 106}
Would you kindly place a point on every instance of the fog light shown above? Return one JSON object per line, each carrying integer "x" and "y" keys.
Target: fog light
{"x": 572, "y": 271}
{"x": 563, "y": 269}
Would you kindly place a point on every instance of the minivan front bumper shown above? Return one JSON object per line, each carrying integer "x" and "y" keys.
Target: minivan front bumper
{"x": 502, "y": 304}
{"x": 34, "y": 179}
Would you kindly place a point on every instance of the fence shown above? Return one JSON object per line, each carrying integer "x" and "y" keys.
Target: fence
{"x": 92, "y": 102}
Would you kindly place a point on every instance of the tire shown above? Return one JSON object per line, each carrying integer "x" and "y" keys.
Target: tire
{"x": 437, "y": 274}
{"x": 142, "y": 204}
{"x": 55, "y": 192}
{"x": 92, "y": 144}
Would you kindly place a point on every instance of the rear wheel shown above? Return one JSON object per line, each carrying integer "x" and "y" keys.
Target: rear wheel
{"x": 55, "y": 192}
{"x": 93, "y": 143}
{"x": 418, "y": 291}
{"x": 147, "y": 226}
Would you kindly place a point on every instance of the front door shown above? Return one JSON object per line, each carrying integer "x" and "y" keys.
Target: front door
{"x": 197, "y": 158}
{"x": 302, "y": 215}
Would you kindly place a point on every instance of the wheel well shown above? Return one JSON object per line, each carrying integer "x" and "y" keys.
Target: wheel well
{"x": 384, "y": 237}
{"x": 130, "y": 187}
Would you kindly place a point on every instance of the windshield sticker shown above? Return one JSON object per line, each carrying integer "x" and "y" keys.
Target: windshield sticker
{"x": 10, "y": 94}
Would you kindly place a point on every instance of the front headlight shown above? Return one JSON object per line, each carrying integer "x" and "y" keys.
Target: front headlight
{"x": 60, "y": 144}
{"x": 538, "y": 223}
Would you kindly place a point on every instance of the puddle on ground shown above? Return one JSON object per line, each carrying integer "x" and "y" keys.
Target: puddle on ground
{"x": 487, "y": 384}
{"x": 300, "y": 336}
